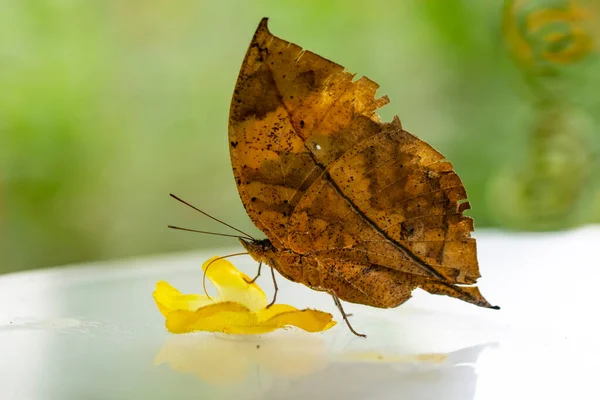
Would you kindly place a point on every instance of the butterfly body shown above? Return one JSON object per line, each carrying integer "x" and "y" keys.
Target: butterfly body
{"x": 293, "y": 266}
{"x": 391, "y": 288}
{"x": 350, "y": 205}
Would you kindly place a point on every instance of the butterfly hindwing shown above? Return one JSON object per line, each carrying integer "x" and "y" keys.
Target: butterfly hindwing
{"x": 391, "y": 200}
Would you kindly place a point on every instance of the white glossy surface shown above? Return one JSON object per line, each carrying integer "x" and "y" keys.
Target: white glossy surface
{"x": 93, "y": 332}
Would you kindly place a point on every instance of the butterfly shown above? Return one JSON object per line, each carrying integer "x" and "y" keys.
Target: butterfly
{"x": 350, "y": 205}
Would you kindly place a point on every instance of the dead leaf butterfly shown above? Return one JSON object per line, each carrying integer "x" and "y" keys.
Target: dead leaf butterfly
{"x": 350, "y": 205}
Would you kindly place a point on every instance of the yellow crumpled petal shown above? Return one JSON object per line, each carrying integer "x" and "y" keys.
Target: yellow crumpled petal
{"x": 308, "y": 320}
{"x": 234, "y": 318}
{"x": 240, "y": 308}
{"x": 169, "y": 299}
{"x": 232, "y": 285}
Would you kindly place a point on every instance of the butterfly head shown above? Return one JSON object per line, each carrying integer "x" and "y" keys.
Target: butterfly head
{"x": 259, "y": 250}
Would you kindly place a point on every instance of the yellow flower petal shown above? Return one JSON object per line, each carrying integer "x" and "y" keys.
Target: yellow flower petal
{"x": 241, "y": 308}
{"x": 308, "y": 320}
{"x": 268, "y": 313}
{"x": 170, "y": 299}
{"x": 232, "y": 285}
{"x": 217, "y": 317}
{"x": 234, "y": 318}
{"x": 282, "y": 315}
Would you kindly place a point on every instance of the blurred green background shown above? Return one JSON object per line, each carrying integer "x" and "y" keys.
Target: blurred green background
{"x": 107, "y": 106}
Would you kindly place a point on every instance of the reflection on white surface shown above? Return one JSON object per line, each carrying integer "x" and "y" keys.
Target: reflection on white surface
{"x": 94, "y": 332}
{"x": 454, "y": 378}
{"x": 296, "y": 365}
{"x": 224, "y": 360}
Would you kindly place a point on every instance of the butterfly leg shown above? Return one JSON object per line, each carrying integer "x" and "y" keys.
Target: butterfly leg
{"x": 276, "y": 287}
{"x": 338, "y": 303}
{"x": 257, "y": 275}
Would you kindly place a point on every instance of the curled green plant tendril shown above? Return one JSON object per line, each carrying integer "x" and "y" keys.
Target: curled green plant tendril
{"x": 550, "y": 187}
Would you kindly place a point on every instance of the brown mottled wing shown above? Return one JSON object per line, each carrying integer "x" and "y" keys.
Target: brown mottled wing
{"x": 391, "y": 200}
{"x": 393, "y": 203}
{"x": 287, "y": 100}
{"x": 384, "y": 287}
{"x": 319, "y": 173}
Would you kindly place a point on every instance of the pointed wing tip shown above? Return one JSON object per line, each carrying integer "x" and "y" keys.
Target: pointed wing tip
{"x": 486, "y": 304}
{"x": 263, "y": 25}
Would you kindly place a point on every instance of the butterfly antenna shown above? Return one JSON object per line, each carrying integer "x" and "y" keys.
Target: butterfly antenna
{"x": 206, "y": 233}
{"x": 210, "y": 263}
{"x": 211, "y": 217}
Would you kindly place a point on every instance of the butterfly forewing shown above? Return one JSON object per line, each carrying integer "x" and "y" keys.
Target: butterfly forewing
{"x": 292, "y": 113}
